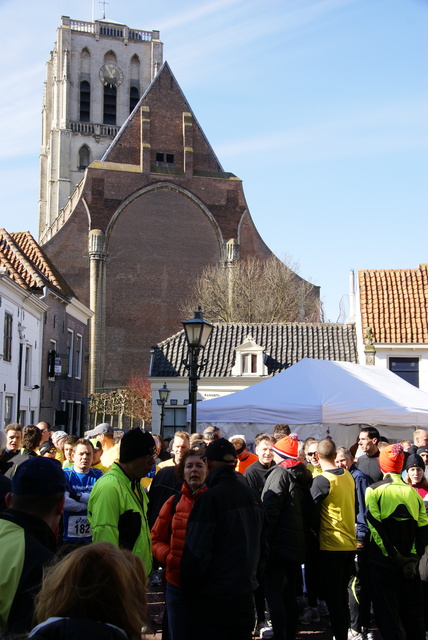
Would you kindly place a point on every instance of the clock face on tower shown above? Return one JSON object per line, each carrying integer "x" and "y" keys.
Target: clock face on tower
{"x": 111, "y": 75}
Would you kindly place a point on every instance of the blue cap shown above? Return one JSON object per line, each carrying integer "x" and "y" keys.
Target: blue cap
{"x": 38, "y": 476}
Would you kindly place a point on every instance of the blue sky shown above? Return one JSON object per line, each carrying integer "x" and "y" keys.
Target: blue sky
{"x": 319, "y": 106}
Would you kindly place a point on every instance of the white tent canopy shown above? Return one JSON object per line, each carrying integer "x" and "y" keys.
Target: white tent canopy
{"x": 323, "y": 391}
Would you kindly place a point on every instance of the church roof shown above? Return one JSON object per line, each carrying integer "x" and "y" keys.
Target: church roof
{"x": 164, "y": 88}
{"x": 283, "y": 344}
{"x": 394, "y": 304}
{"x": 28, "y": 265}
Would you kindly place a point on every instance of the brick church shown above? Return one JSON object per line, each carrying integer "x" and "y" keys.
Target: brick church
{"x": 134, "y": 202}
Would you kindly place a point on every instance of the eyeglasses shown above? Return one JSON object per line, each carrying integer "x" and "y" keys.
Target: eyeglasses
{"x": 312, "y": 453}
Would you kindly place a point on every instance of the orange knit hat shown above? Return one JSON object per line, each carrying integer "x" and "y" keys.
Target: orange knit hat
{"x": 288, "y": 447}
{"x": 391, "y": 459}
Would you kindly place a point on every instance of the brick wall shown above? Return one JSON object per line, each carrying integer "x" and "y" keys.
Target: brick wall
{"x": 165, "y": 225}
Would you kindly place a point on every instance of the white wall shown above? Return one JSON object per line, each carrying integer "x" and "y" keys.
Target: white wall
{"x": 27, "y": 330}
{"x": 385, "y": 351}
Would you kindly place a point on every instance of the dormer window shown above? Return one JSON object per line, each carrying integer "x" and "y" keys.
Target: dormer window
{"x": 249, "y": 363}
{"x": 249, "y": 359}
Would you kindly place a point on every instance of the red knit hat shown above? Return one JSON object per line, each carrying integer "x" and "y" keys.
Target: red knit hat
{"x": 288, "y": 447}
{"x": 391, "y": 459}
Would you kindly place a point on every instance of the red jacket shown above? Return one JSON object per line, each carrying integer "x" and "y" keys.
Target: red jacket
{"x": 168, "y": 535}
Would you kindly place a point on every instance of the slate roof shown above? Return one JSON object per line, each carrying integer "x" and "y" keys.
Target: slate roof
{"x": 284, "y": 345}
{"x": 394, "y": 304}
{"x": 28, "y": 265}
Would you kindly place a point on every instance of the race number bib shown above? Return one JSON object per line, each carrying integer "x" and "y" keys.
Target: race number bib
{"x": 78, "y": 527}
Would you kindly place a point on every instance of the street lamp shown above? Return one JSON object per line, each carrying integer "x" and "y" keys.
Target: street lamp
{"x": 163, "y": 399}
{"x": 197, "y": 332}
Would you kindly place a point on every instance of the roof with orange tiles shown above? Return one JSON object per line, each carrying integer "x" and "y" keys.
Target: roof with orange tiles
{"x": 394, "y": 304}
{"x": 28, "y": 266}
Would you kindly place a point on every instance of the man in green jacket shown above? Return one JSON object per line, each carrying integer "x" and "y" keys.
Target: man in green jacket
{"x": 117, "y": 508}
{"x": 398, "y": 537}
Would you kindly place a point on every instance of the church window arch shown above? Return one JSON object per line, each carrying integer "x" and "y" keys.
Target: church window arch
{"x": 84, "y": 157}
{"x": 85, "y": 101}
{"x": 110, "y": 56}
{"x": 110, "y": 105}
{"x": 85, "y": 61}
{"x": 134, "y": 96}
{"x": 135, "y": 67}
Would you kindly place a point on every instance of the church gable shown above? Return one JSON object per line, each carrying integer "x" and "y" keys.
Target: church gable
{"x": 163, "y": 136}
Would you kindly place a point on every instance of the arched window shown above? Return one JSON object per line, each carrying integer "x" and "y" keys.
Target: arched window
{"x": 134, "y": 96}
{"x": 110, "y": 56}
{"x": 85, "y": 61}
{"x": 84, "y": 157}
{"x": 110, "y": 100}
{"x": 135, "y": 68}
{"x": 85, "y": 101}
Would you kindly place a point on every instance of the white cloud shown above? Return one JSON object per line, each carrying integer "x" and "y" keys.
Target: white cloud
{"x": 202, "y": 11}
{"x": 227, "y": 36}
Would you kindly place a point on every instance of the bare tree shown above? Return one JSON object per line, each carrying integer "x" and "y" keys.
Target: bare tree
{"x": 254, "y": 291}
{"x": 139, "y": 400}
{"x": 132, "y": 402}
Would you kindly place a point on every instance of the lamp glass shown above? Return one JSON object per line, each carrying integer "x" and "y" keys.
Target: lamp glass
{"x": 164, "y": 393}
{"x": 197, "y": 330}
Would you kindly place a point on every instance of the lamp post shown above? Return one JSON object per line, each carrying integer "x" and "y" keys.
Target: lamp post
{"x": 163, "y": 399}
{"x": 197, "y": 332}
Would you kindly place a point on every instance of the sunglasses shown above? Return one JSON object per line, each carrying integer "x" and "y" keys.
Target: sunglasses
{"x": 312, "y": 453}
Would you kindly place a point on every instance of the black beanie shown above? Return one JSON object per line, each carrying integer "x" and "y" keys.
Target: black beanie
{"x": 136, "y": 443}
{"x": 414, "y": 461}
{"x": 220, "y": 450}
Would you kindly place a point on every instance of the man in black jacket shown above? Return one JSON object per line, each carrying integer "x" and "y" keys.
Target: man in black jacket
{"x": 222, "y": 550}
{"x": 28, "y": 541}
{"x": 368, "y": 462}
{"x": 255, "y": 474}
{"x": 287, "y": 501}
{"x": 13, "y": 434}
{"x": 31, "y": 439}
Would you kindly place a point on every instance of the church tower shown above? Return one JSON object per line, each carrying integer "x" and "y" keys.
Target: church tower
{"x": 95, "y": 77}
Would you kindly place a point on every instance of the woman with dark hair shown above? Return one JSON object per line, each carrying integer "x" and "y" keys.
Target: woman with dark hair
{"x": 97, "y": 591}
{"x": 168, "y": 536}
{"x": 415, "y": 467}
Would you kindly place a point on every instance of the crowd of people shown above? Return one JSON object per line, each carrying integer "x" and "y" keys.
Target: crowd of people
{"x": 250, "y": 543}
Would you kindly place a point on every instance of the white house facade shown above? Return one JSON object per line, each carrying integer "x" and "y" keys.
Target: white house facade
{"x": 45, "y": 335}
{"x": 392, "y": 321}
{"x": 22, "y": 316}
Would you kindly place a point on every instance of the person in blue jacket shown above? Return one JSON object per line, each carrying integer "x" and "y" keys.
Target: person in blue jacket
{"x": 80, "y": 479}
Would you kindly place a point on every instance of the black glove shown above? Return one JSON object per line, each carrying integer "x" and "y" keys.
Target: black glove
{"x": 407, "y": 565}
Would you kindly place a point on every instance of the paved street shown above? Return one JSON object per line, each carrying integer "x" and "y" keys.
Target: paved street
{"x": 316, "y": 631}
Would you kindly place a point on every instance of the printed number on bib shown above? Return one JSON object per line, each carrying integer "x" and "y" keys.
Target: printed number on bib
{"x": 78, "y": 527}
